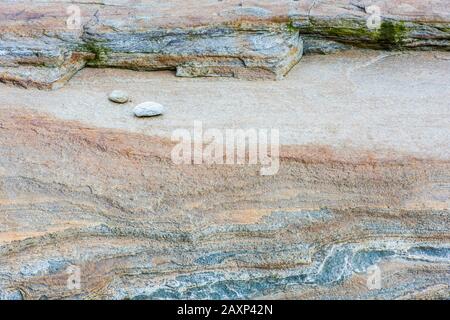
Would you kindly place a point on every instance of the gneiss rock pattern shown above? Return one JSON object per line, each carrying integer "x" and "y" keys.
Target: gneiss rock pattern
{"x": 233, "y": 38}
{"x": 364, "y": 181}
{"x": 141, "y": 227}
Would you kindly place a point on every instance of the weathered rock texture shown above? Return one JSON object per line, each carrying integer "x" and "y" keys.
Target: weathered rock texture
{"x": 364, "y": 179}
{"x": 233, "y": 38}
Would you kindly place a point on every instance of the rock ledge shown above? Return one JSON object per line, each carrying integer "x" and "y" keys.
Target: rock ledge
{"x": 251, "y": 39}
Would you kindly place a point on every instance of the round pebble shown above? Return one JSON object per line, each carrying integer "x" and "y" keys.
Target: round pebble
{"x": 148, "y": 109}
{"x": 118, "y": 96}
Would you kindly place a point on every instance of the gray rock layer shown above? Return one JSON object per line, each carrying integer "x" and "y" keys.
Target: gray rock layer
{"x": 261, "y": 39}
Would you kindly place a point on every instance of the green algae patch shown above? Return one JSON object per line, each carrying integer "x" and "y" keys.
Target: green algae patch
{"x": 392, "y": 35}
{"x": 100, "y": 52}
{"x": 291, "y": 27}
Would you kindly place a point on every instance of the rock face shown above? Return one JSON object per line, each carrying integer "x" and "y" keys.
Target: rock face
{"x": 363, "y": 182}
{"x": 42, "y": 45}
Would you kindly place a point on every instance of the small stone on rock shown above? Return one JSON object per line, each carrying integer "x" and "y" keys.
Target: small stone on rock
{"x": 118, "y": 96}
{"x": 148, "y": 109}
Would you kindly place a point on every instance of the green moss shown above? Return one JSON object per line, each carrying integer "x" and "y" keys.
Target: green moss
{"x": 343, "y": 30}
{"x": 291, "y": 27}
{"x": 391, "y": 35}
{"x": 97, "y": 49}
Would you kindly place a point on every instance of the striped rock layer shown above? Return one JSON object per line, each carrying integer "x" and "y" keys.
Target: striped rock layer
{"x": 89, "y": 192}
{"x": 43, "y": 44}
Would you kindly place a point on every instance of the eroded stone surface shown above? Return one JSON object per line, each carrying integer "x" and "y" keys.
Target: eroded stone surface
{"x": 258, "y": 39}
{"x": 364, "y": 180}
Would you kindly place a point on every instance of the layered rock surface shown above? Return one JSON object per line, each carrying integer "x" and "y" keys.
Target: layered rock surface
{"x": 363, "y": 180}
{"x": 39, "y": 45}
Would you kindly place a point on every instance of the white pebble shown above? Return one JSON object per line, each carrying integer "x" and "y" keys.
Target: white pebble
{"x": 148, "y": 109}
{"x": 118, "y": 96}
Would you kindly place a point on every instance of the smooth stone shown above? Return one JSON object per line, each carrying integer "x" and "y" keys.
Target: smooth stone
{"x": 148, "y": 109}
{"x": 118, "y": 96}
